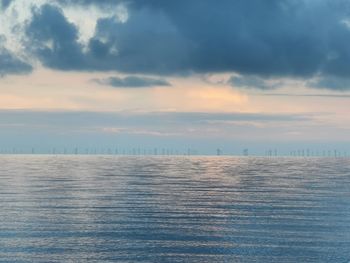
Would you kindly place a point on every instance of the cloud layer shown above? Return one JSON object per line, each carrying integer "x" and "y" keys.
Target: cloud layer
{"x": 133, "y": 82}
{"x": 180, "y": 130}
{"x": 10, "y": 64}
{"x": 250, "y": 82}
{"x": 277, "y": 38}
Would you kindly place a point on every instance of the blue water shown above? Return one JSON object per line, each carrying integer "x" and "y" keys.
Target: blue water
{"x": 174, "y": 209}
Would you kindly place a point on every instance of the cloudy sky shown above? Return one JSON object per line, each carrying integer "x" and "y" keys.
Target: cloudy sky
{"x": 175, "y": 74}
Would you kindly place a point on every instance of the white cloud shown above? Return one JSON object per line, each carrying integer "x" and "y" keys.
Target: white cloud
{"x": 86, "y": 17}
{"x": 14, "y": 19}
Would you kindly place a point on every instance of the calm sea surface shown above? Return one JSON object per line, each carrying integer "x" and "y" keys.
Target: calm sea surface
{"x": 174, "y": 209}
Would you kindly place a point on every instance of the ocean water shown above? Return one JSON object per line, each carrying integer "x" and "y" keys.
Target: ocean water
{"x": 174, "y": 209}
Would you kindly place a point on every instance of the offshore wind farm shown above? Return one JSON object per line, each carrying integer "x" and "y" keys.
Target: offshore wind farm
{"x": 139, "y": 151}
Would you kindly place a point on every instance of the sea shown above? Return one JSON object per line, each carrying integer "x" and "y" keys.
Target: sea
{"x": 68, "y": 208}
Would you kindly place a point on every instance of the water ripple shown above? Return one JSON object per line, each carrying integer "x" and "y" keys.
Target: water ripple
{"x": 174, "y": 209}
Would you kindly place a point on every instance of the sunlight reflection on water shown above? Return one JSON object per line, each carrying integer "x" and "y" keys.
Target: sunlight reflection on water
{"x": 174, "y": 209}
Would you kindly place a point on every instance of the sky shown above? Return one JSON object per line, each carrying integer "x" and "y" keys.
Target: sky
{"x": 198, "y": 74}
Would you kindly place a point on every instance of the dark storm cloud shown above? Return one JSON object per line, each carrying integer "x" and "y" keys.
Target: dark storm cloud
{"x": 54, "y": 39}
{"x": 329, "y": 82}
{"x": 268, "y": 38}
{"x": 147, "y": 43}
{"x": 9, "y": 63}
{"x": 291, "y": 38}
{"x": 132, "y": 82}
{"x": 250, "y": 82}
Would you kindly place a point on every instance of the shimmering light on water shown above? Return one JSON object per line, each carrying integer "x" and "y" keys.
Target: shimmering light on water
{"x": 166, "y": 209}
